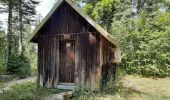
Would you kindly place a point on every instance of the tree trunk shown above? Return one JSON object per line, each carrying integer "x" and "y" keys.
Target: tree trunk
{"x": 142, "y": 3}
{"x": 134, "y": 8}
{"x": 9, "y": 33}
{"x": 21, "y": 27}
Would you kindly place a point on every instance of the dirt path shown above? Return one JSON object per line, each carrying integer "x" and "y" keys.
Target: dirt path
{"x": 20, "y": 81}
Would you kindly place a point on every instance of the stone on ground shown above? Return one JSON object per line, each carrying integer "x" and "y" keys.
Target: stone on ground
{"x": 60, "y": 96}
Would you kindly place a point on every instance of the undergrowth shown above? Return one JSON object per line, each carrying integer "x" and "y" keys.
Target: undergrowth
{"x": 27, "y": 91}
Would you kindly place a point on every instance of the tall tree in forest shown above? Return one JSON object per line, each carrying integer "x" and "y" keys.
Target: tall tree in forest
{"x": 20, "y": 13}
{"x": 8, "y": 7}
{"x": 21, "y": 25}
{"x": 9, "y": 33}
{"x": 2, "y": 50}
{"x": 27, "y": 14}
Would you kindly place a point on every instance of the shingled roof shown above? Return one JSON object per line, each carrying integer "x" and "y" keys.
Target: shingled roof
{"x": 83, "y": 14}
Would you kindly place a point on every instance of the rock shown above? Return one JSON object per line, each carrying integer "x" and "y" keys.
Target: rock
{"x": 68, "y": 95}
{"x": 60, "y": 96}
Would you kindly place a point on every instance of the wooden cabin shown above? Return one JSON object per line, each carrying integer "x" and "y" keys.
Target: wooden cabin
{"x": 73, "y": 49}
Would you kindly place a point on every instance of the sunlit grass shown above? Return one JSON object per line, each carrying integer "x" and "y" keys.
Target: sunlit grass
{"x": 131, "y": 88}
{"x": 134, "y": 88}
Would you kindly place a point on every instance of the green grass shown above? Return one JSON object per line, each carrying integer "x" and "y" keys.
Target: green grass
{"x": 1, "y": 85}
{"x": 27, "y": 91}
{"x": 132, "y": 88}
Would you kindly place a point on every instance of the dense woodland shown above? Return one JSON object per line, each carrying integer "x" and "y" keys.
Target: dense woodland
{"x": 17, "y": 55}
{"x": 141, "y": 26}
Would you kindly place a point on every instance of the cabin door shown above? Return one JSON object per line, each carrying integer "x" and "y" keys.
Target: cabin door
{"x": 67, "y": 61}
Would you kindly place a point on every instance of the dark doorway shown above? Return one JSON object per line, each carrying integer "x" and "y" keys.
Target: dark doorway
{"x": 67, "y": 61}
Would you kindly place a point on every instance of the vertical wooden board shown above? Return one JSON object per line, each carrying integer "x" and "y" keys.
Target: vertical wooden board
{"x": 39, "y": 77}
{"x": 65, "y": 20}
{"x": 79, "y": 59}
{"x": 44, "y": 60}
{"x": 54, "y": 82}
{"x": 76, "y": 60}
{"x": 46, "y": 63}
{"x": 52, "y": 61}
{"x": 98, "y": 67}
{"x": 101, "y": 51}
{"x": 83, "y": 57}
{"x": 57, "y": 59}
{"x": 50, "y": 68}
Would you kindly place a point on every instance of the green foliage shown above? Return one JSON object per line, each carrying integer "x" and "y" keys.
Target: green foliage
{"x": 27, "y": 91}
{"x": 2, "y": 51}
{"x": 19, "y": 65}
{"x": 149, "y": 71}
{"x": 2, "y": 68}
{"x": 104, "y": 11}
{"x": 80, "y": 90}
{"x": 84, "y": 93}
{"x": 145, "y": 43}
{"x": 1, "y": 85}
{"x": 144, "y": 39}
{"x": 21, "y": 16}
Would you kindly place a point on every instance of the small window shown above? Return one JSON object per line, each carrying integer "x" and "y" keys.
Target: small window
{"x": 68, "y": 45}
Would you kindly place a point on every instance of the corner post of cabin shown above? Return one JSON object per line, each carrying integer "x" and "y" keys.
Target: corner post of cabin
{"x": 116, "y": 59}
{"x": 38, "y": 67}
{"x": 117, "y": 55}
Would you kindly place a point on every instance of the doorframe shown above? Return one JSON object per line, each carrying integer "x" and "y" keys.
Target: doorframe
{"x": 66, "y": 41}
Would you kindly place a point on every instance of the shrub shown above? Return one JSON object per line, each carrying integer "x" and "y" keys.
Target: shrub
{"x": 150, "y": 71}
{"x": 80, "y": 90}
{"x": 27, "y": 91}
{"x": 2, "y": 67}
{"x": 83, "y": 93}
{"x": 19, "y": 65}
{"x": 1, "y": 85}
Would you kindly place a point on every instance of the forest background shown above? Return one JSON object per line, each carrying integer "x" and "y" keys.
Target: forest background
{"x": 141, "y": 26}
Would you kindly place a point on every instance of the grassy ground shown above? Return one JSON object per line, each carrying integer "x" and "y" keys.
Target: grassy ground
{"x": 130, "y": 88}
{"x": 27, "y": 91}
{"x": 134, "y": 88}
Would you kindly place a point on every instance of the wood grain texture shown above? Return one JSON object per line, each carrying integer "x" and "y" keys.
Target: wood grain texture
{"x": 84, "y": 61}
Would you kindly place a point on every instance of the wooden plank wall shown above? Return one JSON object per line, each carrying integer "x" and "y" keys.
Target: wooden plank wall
{"x": 87, "y": 61}
{"x": 108, "y": 68}
{"x": 91, "y": 50}
{"x": 48, "y": 61}
{"x": 65, "y": 21}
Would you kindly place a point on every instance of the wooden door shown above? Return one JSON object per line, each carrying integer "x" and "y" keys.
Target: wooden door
{"x": 67, "y": 61}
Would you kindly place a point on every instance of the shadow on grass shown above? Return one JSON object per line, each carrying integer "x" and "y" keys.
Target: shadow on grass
{"x": 130, "y": 92}
{"x": 119, "y": 92}
{"x": 27, "y": 91}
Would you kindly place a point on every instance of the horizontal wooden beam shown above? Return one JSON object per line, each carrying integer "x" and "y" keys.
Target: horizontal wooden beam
{"x": 63, "y": 34}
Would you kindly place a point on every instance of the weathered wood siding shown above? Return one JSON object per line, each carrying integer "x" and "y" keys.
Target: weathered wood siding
{"x": 65, "y": 20}
{"x": 48, "y": 61}
{"x": 91, "y": 50}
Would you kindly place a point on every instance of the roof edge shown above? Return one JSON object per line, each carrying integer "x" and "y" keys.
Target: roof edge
{"x": 38, "y": 27}
{"x": 93, "y": 23}
{"x": 83, "y": 14}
